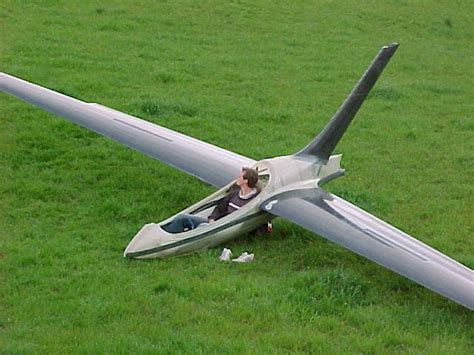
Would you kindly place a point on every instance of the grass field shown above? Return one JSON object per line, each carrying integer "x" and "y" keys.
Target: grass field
{"x": 258, "y": 78}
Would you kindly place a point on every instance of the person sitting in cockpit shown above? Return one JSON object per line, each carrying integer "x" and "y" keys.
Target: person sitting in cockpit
{"x": 240, "y": 194}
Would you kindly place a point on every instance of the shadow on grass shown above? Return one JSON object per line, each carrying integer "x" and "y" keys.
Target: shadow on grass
{"x": 161, "y": 108}
{"x": 387, "y": 93}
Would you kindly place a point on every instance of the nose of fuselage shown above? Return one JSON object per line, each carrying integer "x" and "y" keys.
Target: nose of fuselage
{"x": 144, "y": 242}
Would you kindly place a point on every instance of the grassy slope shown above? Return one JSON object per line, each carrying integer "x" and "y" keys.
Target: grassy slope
{"x": 231, "y": 74}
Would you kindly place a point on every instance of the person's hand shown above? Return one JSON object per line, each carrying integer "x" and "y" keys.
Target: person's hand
{"x": 210, "y": 220}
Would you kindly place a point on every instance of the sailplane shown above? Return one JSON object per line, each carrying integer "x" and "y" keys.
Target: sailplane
{"x": 290, "y": 187}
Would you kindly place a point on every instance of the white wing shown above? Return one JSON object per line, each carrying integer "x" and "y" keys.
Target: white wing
{"x": 207, "y": 162}
{"x": 364, "y": 234}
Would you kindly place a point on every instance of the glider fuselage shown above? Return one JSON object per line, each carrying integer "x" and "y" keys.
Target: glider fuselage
{"x": 277, "y": 175}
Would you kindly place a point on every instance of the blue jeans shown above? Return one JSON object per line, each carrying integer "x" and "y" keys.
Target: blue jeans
{"x": 184, "y": 221}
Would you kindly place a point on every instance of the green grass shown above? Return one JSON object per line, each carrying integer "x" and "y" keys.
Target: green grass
{"x": 258, "y": 78}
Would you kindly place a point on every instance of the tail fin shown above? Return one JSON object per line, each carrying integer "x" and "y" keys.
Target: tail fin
{"x": 325, "y": 142}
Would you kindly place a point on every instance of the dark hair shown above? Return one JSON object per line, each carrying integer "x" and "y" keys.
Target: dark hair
{"x": 251, "y": 175}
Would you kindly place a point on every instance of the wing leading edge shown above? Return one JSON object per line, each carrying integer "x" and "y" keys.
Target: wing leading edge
{"x": 207, "y": 162}
{"x": 347, "y": 225}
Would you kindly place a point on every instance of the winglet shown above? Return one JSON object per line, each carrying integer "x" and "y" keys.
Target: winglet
{"x": 325, "y": 142}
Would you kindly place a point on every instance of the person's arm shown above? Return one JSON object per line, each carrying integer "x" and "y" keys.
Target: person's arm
{"x": 221, "y": 209}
